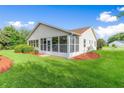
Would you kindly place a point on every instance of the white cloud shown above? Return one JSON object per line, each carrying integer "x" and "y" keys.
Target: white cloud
{"x": 107, "y": 17}
{"x": 105, "y": 32}
{"x": 19, "y": 24}
{"x": 16, "y": 24}
{"x": 31, "y": 22}
{"x": 120, "y": 9}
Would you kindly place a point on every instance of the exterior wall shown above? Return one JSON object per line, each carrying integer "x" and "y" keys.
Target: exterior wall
{"x": 88, "y": 35}
{"x": 47, "y": 32}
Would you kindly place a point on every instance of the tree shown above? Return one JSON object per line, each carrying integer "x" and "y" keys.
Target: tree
{"x": 24, "y": 33}
{"x": 10, "y": 37}
{"x": 4, "y": 39}
{"x": 119, "y": 36}
{"x": 100, "y": 43}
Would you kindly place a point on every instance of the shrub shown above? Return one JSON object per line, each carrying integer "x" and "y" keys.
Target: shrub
{"x": 36, "y": 51}
{"x": 113, "y": 45}
{"x": 23, "y": 48}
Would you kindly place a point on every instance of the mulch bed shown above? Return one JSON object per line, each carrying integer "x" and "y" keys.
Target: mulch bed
{"x": 5, "y": 64}
{"x": 87, "y": 56}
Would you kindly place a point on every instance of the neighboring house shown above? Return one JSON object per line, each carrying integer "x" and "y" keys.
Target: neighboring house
{"x": 117, "y": 43}
{"x": 56, "y": 41}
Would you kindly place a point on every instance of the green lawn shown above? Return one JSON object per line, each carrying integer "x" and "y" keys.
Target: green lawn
{"x": 34, "y": 71}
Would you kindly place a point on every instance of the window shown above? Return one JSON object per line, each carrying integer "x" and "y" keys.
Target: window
{"x": 84, "y": 42}
{"x": 63, "y": 44}
{"x": 55, "y": 44}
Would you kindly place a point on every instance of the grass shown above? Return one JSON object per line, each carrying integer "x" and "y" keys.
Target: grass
{"x": 33, "y": 71}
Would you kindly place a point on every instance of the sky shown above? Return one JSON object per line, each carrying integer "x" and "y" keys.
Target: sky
{"x": 101, "y": 18}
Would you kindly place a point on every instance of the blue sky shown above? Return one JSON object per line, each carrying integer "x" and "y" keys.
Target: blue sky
{"x": 101, "y": 18}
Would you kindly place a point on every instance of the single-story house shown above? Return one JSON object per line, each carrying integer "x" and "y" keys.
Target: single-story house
{"x": 117, "y": 43}
{"x": 59, "y": 42}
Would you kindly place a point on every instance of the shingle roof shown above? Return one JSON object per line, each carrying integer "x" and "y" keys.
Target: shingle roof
{"x": 80, "y": 30}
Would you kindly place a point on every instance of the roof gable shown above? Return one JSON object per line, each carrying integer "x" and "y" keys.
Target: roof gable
{"x": 51, "y": 27}
{"x": 78, "y": 31}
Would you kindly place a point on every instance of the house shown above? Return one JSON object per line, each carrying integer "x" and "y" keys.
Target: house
{"x": 117, "y": 43}
{"x": 59, "y": 42}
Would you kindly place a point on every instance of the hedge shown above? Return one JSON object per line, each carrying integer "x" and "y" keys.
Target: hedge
{"x": 23, "y": 48}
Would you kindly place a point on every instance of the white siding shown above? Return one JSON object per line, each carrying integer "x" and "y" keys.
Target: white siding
{"x": 44, "y": 31}
{"x": 88, "y": 35}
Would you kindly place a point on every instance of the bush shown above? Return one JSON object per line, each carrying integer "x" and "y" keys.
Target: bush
{"x": 23, "y": 48}
{"x": 36, "y": 51}
{"x": 113, "y": 45}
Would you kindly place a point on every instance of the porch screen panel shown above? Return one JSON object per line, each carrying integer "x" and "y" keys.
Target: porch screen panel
{"x": 30, "y": 43}
{"x": 37, "y": 43}
{"x": 72, "y": 44}
{"x": 33, "y": 43}
{"x": 77, "y": 43}
{"x": 41, "y": 42}
{"x": 55, "y": 44}
{"x": 44, "y": 43}
{"x": 63, "y": 44}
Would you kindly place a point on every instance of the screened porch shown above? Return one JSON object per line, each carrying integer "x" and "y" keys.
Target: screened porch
{"x": 61, "y": 44}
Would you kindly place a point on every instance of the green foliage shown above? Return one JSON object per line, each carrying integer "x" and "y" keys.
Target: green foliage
{"x": 10, "y": 37}
{"x": 113, "y": 45}
{"x": 23, "y": 48}
{"x": 4, "y": 39}
{"x": 101, "y": 43}
{"x": 119, "y": 36}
